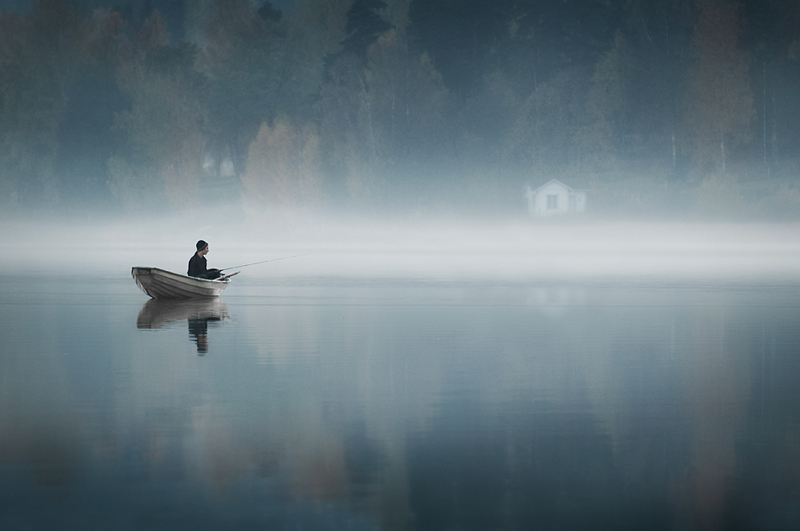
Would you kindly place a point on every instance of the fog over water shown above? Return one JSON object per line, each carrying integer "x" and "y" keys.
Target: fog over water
{"x": 491, "y": 251}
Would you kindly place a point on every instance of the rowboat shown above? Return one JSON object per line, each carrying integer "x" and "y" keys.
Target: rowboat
{"x": 162, "y": 284}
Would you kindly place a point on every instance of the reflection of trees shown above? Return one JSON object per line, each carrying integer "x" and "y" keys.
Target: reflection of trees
{"x": 618, "y": 410}
{"x": 657, "y": 392}
{"x": 717, "y": 391}
{"x": 747, "y": 427}
{"x": 529, "y": 469}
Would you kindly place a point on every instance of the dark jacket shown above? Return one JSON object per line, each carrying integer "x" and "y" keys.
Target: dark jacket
{"x": 197, "y": 266}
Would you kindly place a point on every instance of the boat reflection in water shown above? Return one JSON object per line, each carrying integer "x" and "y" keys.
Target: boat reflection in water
{"x": 160, "y": 313}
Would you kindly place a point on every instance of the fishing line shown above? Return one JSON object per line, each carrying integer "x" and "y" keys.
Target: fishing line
{"x": 265, "y": 261}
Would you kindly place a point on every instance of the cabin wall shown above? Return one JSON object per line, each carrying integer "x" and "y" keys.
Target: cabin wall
{"x": 555, "y": 199}
{"x": 550, "y": 200}
{"x": 580, "y": 201}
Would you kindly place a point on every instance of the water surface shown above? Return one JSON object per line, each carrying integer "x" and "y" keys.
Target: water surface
{"x": 324, "y": 404}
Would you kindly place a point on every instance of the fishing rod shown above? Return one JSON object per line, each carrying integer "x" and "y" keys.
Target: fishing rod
{"x": 264, "y": 261}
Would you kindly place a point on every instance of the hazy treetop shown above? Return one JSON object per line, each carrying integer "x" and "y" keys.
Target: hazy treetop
{"x": 670, "y": 107}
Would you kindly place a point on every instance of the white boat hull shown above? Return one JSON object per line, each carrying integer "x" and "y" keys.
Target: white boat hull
{"x": 162, "y": 284}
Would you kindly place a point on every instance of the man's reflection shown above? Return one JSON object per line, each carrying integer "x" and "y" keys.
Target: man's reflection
{"x": 159, "y": 313}
{"x": 198, "y": 331}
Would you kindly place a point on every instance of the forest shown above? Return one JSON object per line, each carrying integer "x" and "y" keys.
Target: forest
{"x": 413, "y": 107}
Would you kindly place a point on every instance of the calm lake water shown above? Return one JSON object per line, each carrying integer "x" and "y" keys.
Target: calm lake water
{"x": 400, "y": 405}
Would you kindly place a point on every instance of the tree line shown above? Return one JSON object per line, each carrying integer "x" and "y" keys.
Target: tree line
{"x": 441, "y": 105}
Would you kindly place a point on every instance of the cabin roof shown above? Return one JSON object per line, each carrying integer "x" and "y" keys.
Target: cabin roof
{"x": 559, "y": 182}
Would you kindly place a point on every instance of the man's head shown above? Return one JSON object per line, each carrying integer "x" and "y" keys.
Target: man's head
{"x": 202, "y": 247}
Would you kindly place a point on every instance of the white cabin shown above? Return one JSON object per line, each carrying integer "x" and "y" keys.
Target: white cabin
{"x": 555, "y": 198}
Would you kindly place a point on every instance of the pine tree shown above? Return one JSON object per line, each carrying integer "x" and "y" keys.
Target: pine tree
{"x": 599, "y": 138}
{"x": 720, "y": 97}
{"x": 365, "y": 24}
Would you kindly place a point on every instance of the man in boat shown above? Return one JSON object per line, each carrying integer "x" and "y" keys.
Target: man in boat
{"x": 197, "y": 263}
